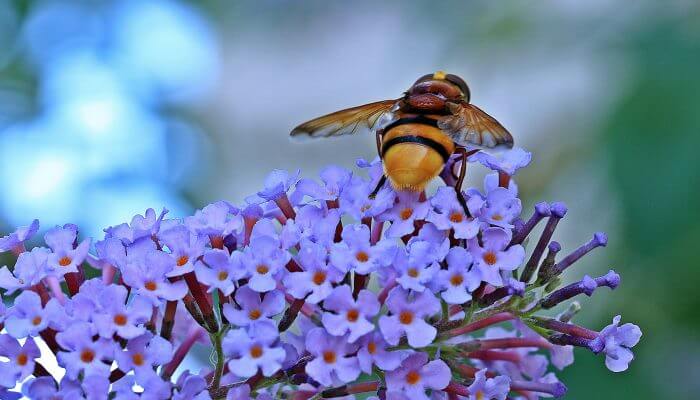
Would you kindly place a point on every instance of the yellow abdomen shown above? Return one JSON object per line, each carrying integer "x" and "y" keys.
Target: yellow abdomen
{"x": 411, "y": 165}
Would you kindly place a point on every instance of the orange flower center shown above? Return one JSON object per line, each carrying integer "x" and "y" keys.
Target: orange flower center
{"x": 120, "y": 319}
{"x": 254, "y": 314}
{"x": 319, "y": 277}
{"x": 262, "y": 269}
{"x": 182, "y": 261}
{"x": 22, "y": 359}
{"x": 479, "y": 395}
{"x": 65, "y": 261}
{"x": 329, "y": 357}
{"x": 371, "y": 347}
{"x": 352, "y": 315}
{"x": 87, "y": 356}
{"x": 150, "y": 285}
{"x": 490, "y": 258}
{"x": 412, "y": 377}
{"x": 496, "y": 217}
{"x": 456, "y": 217}
{"x": 36, "y": 320}
{"x": 456, "y": 279}
{"x": 223, "y": 275}
{"x": 362, "y": 256}
{"x": 217, "y": 242}
{"x": 138, "y": 359}
{"x": 406, "y": 317}
{"x": 406, "y": 213}
{"x": 256, "y": 351}
{"x": 412, "y": 272}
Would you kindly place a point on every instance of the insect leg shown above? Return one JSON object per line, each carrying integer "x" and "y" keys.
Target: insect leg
{"x": 376, "y": 190}
{"x": 462, "y": 174}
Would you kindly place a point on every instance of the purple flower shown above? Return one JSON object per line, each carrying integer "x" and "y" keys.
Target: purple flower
{"x": 191, "y": 387}
{"x": 404, "y": 213}
{"x": 407, "y": 316}
{"x": 254, "y": 310}
{"x": 489, "y": 388}
{"x": 20, "y": 358}
{"x": 349, "y": 315}
{"x": 355, "y": 200}
{"x": 415, "y": 266}
{"x": 276, "y": 185}
{"x": 265, "y": 263}
{"x": 495, "y": 255}
{"x": 219, "y": 270}
{"x": 142, "y": 353}
{"x": 416, "y": 374}
{"x": 82, "y": 353}
{"x": 30, "y": 269}
{"x": 616, "y": 342}
{"x": 147, "y": 276}
{"x": 184, "y": 247}
{"x": 355, "y": 252}
{"x": 8, "y": 395}
{"x": 44, "y": 388}
{"x": 65, "y": 258}
{"x": 316, "y": 224}
{"x": 508, "y": 161}
{"x": 500, "y": 208}
{"x": 373, "y": 352}
{"x": 27, "y": 317}
{"x": 334, "y": 179}
{"x": 253, "y": 349}
{"x": 458, "y": 280}
{"x": 18, "y": 237}
{"x": 215, "y": 220}
{"x": 114, "y": 316}
{"x": 318, "y": 277}
{"x": 333, "y": 362}
{"x": 147, "y": 225}
{"x": 448, "y": 214}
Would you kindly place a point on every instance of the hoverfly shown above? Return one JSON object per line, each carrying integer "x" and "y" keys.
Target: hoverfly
{"x": 417, "y": 133}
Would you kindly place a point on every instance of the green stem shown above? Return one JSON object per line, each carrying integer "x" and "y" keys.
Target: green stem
{"x": 218, "y": 372}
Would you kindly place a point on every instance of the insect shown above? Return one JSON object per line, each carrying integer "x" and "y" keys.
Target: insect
{"x": 417, "y": 133}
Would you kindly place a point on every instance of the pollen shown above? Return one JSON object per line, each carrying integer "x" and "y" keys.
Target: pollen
{"x": 36, "y": 320}
{"x": 352, "y": 315}
{"x": 150, "y": 285}
{"x": 456, "y": 279}
{"x": 319, "y": 277}
{"x": 456, "y": 217}
{"x": 262, "y": 269}
{"x": 412, "y": 377}
{"x": 362, "y": 256}
{"x": 490, "y": 258}
{"x": 120, "y": 319}
{"x": 138, "y": 359}
{"x": 406, "y": 213}
{"x": 65, "y": 261}
{"x": 371, "y": 347}
{"x": 256, "y": 351}
{"x": 406, "y": 317}
{"x": 329, "y": 357}
{"x": 87, "y": 356}
{"x": 182, "y": 260}
{"x": 22, "y": 359}
{"x": 222, "y": 276}
{"x": 254, "y": 314}
{"x": 412, "y": 272}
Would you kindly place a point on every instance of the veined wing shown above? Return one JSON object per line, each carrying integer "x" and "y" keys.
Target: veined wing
{"x": 345, "y": 122}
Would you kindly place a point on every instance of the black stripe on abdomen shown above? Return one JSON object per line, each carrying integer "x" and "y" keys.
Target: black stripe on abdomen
{"x": 439, "y": 148}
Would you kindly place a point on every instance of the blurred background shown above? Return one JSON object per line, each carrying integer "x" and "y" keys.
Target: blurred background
{"x": 110, "y": 107}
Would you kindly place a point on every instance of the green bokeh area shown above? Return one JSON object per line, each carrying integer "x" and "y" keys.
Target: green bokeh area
{"x": 605, "y": 94}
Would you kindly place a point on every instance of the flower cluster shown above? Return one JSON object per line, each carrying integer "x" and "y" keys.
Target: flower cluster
{"x": 309, "y": 290}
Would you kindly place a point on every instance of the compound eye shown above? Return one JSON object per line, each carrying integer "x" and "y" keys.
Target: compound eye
{"x": 424, "y": 78}
{"x": 454, "y": 79}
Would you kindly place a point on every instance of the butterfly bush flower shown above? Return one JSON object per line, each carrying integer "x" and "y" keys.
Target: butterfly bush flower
{"x": 310, "y": 289}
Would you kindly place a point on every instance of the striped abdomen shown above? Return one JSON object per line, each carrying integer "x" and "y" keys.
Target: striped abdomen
{"x": 414, "y": 151}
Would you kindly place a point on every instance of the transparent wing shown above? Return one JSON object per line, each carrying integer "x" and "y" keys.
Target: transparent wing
{"x": 470, "y": 126}
{"x": 345, "y": 122}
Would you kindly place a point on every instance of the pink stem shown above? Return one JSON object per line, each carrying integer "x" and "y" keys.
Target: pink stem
{"x": 480, "y": 324}
{"x": 385, "y": 292}
{"x": 194, "y": 334}
{"x": 55, "y": 287}
{"x": 285, "y": 206}
{"x": 108, "y": 272}
{"x": 376, "y": 232}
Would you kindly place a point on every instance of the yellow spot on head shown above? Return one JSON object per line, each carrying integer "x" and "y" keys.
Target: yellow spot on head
{"x": 439, "y": 75}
